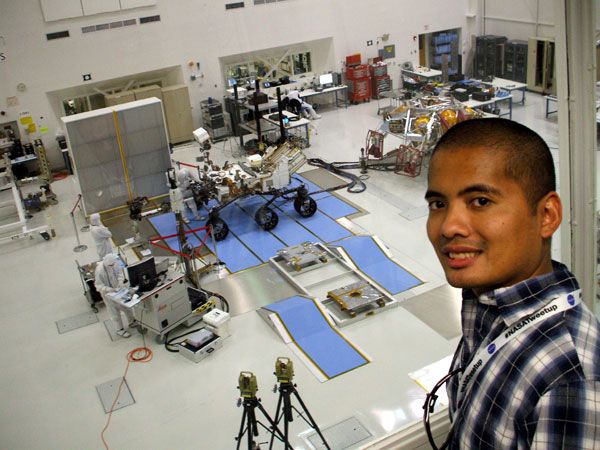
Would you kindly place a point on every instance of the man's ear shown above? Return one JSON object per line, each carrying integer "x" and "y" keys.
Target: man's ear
{"x": 550, "y": 210}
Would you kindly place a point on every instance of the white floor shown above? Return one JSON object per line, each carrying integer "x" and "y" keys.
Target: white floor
{"x": 48, "y": 398}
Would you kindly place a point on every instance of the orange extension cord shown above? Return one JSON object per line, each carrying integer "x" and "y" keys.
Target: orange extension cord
{"x": 139, "y": 354}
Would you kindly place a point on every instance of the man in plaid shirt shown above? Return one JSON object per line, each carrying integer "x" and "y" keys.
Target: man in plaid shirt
{"x": 530, "y": 349}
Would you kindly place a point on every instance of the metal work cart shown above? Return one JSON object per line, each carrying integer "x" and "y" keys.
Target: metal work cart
{"x": 86, "y": 273}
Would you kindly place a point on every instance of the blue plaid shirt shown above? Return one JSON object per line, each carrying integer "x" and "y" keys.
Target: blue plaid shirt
{"x": 541, "y": 390}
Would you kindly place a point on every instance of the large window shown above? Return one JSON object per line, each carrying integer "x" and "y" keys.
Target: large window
{"x": 269, "y": 66}
{"x": 301, "y": 63}
{"x": 83, "y": 103}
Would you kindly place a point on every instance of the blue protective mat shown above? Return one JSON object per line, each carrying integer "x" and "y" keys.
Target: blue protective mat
{"x": 231, "y": 251}
{"x": 325, "y": 228}
{"x": 248, "y": 245}
{"x": 319, "y": 341}
{"x": 262, "y": 244}
{"x": 335, "y": 208}
{"x": 287, "y": 230}
{"x": 331, "y": 205}
{"x": 371, "y": 260}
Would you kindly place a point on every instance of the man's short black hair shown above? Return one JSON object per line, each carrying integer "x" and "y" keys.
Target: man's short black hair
{"x": 528, "y": 158}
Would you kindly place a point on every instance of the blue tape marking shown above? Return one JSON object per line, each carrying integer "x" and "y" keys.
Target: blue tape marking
{"x": 371, "y": 260}
{"x": 335, "y": 208}
{"x": 315, "y": 336}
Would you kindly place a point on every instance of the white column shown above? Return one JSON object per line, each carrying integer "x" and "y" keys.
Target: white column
{"x": 576, "y": 77}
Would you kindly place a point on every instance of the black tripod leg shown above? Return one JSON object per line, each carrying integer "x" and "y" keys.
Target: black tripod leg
{"x": 287, "y": 413}
{"x": 277, "y": 419}
{"x": 274, "y": 426}
{"x": 287, "y": 406}
{"x": 242, "y": 430}
{"x": 252, "y": 427}
{"x": 252, "y": 421}
{"x": 286, "y": 426}
{"x": 312, "y": 421}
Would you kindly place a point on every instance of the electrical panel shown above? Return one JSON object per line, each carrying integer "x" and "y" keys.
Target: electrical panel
{"x": 489, "y": 56}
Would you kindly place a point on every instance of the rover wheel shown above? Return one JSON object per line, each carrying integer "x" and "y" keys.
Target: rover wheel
{"x": 266, "y": 218}
{"x": 220, "y": 230}
{"x": 306, "y": 206}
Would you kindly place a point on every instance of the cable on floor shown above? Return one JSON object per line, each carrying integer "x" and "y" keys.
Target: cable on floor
{"x": 169, "y": 342}
{"x": 139, "y": 354}
{"x": 355, "y": 185}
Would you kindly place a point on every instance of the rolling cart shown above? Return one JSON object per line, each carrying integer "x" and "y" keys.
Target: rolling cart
{"x": 86, "y": 273}
{"x": 359, "y": 83}
{"x": 409, "y": 161}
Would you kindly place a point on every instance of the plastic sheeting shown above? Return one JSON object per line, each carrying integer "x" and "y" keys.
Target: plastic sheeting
{"x": 119, "y": 153}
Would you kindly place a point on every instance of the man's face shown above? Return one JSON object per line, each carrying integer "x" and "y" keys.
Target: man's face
{"x": 480, "y": 223}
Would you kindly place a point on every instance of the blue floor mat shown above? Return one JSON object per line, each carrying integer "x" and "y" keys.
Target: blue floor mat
{"x": 248, "y": 245}
{"x": 371, "y": 260}
{"x": 335, "y": 208}
{"x": 325, "y": 228}
{"x": 230, "y": 250}
{"x": 287, "y": 230}
{"x": 319, "y": 341}
{"x": 261, "y": 243}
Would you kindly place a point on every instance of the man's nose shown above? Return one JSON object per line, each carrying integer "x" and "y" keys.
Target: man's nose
{"x": 456, "y": 222}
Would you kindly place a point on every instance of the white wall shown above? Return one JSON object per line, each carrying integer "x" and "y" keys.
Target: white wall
{"x": 521, "y": 19}
{"x": 198, "y": 30}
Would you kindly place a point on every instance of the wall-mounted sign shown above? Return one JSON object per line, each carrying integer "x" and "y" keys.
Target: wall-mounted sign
{"x": 25, "y": 118}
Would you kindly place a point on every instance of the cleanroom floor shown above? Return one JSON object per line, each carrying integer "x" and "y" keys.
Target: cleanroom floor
{"x": 49, "y": 400}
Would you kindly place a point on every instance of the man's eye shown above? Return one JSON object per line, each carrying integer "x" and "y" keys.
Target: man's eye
{"x": 436, "y": 204}
{"x": 481, "y": 201}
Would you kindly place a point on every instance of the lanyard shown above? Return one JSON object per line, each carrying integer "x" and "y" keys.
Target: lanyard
{"x": 558, "y": 305}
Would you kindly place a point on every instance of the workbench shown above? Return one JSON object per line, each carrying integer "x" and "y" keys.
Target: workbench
{"x": 475, "y": 104}
{"x": 423, "y": 73}
{"x": 300, "y": 123}
{"x": 334, "y": 91}
{"x": 508, "y": 85}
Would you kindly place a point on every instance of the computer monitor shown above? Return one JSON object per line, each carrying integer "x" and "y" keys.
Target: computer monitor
{"x": 143, "y": 274}
{"x": 231, "y": 82}
{"x": 326, "y": 79}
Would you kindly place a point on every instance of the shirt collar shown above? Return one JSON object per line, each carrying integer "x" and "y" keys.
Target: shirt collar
{"x": 528, "y": 296}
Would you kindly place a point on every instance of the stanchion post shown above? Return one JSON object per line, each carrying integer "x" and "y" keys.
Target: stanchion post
{"x": 80, "y": 247}
{"x": 85, "y": 227}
